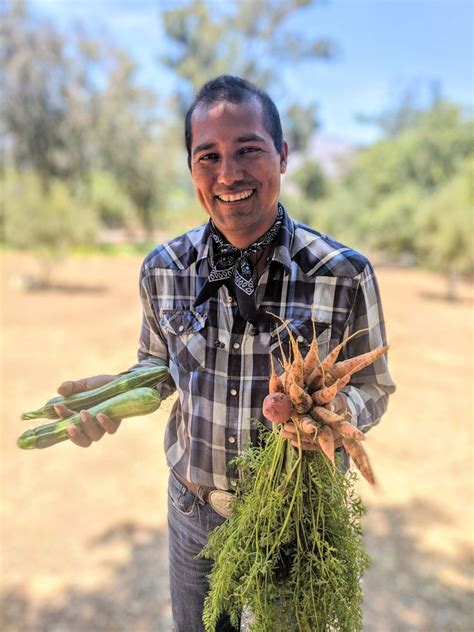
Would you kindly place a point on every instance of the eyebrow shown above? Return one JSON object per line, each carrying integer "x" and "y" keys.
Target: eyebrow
{"x": 241, "y": 139}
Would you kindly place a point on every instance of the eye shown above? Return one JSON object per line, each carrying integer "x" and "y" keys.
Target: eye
{"x": 208, "y": 157}
{"x": 250, "y": 150}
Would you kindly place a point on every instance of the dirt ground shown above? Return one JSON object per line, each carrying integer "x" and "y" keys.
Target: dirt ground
{"x": 84, "y": 541}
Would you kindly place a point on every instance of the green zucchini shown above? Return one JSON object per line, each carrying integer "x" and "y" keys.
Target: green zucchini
{"x": 146, "y": 376}
{"x": 139, "y": 401}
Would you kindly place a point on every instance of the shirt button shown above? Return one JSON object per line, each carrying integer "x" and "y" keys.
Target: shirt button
{"x": 233, "y": 483}
{"x": 229, "y": 299}
{"x": 233, "y": 391}
{"x": 231, "y": 439}
{"x": 236, "y": 345}
{"x": 181, "y": 328}
{"x": 300, "y": 339}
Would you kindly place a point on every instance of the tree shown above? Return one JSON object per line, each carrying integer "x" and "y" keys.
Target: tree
{"x": 378, "y": 204}
{"x": 445, "y": 228}
{"x": 311, "y": 180}
{"x": 45, "y": 223}
{"x": 48, "y": 97}
{"x": 249, "y": 38}
{"x": 73, "y": 107}
{"x": 128, "y": 141}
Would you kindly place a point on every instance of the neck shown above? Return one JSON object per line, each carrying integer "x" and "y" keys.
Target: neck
{"x": 240, "y": 239}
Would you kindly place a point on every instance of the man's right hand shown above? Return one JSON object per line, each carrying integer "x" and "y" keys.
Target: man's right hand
{"x": 89, "y": 430}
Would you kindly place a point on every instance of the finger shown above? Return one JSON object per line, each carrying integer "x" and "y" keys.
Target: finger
{"x": 305, "y": 445}
{"x": 288, "y": 434}
{"x": 292, "y": 437}
{"x": 63, "y": 411}
{"x": 108, "y": 424}
{"x": 289, "y": 426}
{"x": 77, "y": 436}
{"x": 90, "y": 427}
{"x": 69, "y": 387}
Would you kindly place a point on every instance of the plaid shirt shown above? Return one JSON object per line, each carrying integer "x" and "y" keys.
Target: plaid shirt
{"x": 219, "y": 363}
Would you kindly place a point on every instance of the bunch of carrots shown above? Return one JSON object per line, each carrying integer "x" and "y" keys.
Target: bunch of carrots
{"x": 306, "y": 388}
{"x": 292, "y": 552}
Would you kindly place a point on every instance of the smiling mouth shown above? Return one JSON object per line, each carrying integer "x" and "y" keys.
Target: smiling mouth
{"x": 236, "y": 197}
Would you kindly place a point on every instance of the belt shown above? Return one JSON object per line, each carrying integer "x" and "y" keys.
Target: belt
{"x": 219, "y": 499}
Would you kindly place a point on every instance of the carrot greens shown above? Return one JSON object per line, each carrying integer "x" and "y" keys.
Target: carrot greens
{"x": 292, "y": 549}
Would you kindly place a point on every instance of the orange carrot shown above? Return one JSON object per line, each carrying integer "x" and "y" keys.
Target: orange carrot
{"x": 360, "y": 458}
{"x": 300, "y": 399}
{"x": 297, "y": 366}
{"x": 314, "y": 379}
{"x": 331, "y": 358}
{"x": 311, "y": 360}
{"x": 341, "y": 382}
{"x": 275, "y": 385}
{"x": 327, "y": 416}
{"x": 348, "y": 430}
{"x": 325, "y": 395}
{"x": 307, "y": 425}
{"x": 326, "y": 442}
{"x": 340, "y": 369}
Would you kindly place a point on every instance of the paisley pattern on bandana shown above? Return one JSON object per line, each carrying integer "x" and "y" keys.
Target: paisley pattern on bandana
{"x": 233, "y": 264}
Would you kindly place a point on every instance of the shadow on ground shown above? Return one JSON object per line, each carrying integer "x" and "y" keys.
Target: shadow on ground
{"x": 136, "y": 600}
{"x": 404, "y": 592}
{"x": 410, "y": 588}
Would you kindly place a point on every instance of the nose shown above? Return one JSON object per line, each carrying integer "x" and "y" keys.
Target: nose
{"x": 229, "y": 171}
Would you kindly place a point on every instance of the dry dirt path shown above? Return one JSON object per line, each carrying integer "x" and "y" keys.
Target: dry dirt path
{"x": 84, "y": 531}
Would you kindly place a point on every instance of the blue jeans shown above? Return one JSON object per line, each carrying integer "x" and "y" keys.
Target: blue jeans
{"x": 190, "y": 521}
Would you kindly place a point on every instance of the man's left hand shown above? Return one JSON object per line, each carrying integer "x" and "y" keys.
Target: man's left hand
{"x": 309, "y": 441}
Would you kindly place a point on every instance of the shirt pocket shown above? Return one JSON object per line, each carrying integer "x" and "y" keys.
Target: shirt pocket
{"x": 301, "y": 327}
{"x": 185, "y": 331}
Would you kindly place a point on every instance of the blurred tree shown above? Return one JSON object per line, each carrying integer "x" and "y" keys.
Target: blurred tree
{"x": 48, "y": 97}
{"x": 310, "y": 179}
{"x": 426, "y": 154}
{"x": 249, "y": 38}
{"x": 377, "y": 204}
{"x": 128, "y": 140}
{"x": 113, "y": 206}
{"x": 413, "y": 101}
{"x": 73, "y": 106}
{"x": 300, "y": 124}
{"x": 45, "y": 223}
{"x": 445, "y": 228}
{"x": 34, "y": 79}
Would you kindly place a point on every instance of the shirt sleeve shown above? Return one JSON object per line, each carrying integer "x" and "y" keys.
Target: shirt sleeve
{"x": 153, "y": 348}
{"x": 369, "y": 389}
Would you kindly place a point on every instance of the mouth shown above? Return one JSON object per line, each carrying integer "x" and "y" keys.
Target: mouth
{"x": 236, "y": 197}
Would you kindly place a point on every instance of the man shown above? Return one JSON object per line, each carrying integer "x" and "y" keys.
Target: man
{"x": 207, "y": 302}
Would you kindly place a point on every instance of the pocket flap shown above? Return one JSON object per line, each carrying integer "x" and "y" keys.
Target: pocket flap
{"x": 182, "y": 321}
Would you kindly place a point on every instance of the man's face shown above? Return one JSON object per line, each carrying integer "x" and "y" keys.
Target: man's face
{"x": 236, "y": 169}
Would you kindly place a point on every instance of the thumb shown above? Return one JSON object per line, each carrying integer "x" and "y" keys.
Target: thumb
{"x": 69, "y": 387}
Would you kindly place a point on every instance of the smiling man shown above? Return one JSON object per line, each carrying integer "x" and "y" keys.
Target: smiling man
{"x": 206, "y": 298}
{"x": 236, "y": 167}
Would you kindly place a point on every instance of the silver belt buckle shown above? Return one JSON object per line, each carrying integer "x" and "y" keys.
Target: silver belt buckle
{"x": 221, "y": 502}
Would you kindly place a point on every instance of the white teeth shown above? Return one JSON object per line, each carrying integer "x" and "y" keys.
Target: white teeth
{"x": 243, "y": 195}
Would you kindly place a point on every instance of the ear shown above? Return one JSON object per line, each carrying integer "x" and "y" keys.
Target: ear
{"x": 283, "y": 157}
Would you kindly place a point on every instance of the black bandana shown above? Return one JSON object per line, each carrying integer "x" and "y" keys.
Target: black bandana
{"x": 234, "y": 265}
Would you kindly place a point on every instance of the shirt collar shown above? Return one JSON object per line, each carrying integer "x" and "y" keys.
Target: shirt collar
{"x": 281, "y": 251}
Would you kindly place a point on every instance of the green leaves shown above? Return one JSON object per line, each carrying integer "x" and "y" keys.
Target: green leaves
{"x": 292, "y": 548}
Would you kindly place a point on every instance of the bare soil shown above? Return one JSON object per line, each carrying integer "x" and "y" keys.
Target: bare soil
{"x": 84, "y": 543}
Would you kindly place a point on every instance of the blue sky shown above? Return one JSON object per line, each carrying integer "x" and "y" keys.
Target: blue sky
{"x": 385, "y": 46}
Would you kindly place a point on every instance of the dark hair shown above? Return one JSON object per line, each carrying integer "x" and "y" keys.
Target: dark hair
{"x": 235, "y": 90}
